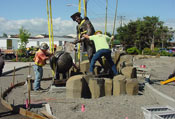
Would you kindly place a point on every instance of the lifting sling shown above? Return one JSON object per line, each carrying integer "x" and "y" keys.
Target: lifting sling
{"x": 79, "y": 35}
{"x": 50, "y": 30}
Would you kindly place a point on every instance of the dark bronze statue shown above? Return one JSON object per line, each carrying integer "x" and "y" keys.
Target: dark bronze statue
{"x": 61, "y": 62}
{"x": 85, "y": 27}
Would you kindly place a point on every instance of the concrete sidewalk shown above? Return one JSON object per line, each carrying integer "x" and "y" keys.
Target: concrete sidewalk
{"x": 9, "y": 66}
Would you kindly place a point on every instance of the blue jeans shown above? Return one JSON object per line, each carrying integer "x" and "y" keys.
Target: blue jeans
{"x": 38, "y": 76}
{"x": 107, "y": 54}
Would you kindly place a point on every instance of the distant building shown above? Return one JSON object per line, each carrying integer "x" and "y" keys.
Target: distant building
{"x": 13, "y": 41}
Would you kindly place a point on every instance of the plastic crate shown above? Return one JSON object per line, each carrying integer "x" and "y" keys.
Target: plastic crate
{"x": 151, "y": 110}
{"x": 165, "y": 115}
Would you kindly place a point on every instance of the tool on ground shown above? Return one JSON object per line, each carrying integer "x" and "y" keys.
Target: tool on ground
{"x": 167, "y": 81}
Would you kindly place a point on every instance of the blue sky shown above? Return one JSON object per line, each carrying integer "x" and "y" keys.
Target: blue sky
{"x": 31, "y": 14}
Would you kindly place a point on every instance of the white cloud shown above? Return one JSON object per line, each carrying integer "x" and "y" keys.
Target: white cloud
{"x": 37, "y": 26}
{"x": 60, "y": 27}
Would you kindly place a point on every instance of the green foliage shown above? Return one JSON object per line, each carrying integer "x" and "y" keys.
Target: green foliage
{"x": 146, "y": 51}
{"x": 24, "y": 59}
{"x": 165, "y": 53}
{"x": 133, "y": 51}
{"x": 4, "y": 35}
{"x": 21, "y": 52}
{"x": 155, "y": 51}
{"x": 144, "y": 32}
{"x": 24, "y": 36}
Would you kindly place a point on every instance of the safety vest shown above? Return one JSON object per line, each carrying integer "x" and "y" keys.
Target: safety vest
{"x": 40, "y": 58}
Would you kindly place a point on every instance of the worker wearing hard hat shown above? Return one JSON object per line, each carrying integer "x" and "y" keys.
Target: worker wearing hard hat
{"x": 85, "y": 27}
{"x": 102, "y": 49}
{"x": 40, "y": 60}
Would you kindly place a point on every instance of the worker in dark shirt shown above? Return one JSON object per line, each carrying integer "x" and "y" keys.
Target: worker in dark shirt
{"x": 2, "y": 63}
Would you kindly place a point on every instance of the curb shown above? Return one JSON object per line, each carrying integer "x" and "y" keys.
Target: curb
{"x": 160, "y": 97}
{"x": 10, "y": 71}
{"x": 19, "y": 110}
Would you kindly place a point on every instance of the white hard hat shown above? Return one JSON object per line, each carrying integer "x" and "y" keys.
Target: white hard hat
{"x": 44, "y": 46}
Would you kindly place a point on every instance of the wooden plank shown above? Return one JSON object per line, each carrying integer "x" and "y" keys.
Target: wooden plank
{"x": 30, "y": 114}
{"x": 48, "y": 109}
{"x": 47, "y": 114}
{"x": 8, "y": 106}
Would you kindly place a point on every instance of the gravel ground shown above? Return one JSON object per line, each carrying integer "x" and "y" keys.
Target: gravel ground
{"x": 160, "y": 69}
{"x": 112, "y": 107}
{"x": 117, "y": 107}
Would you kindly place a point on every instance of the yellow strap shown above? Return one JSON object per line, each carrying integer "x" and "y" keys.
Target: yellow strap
{"x": 52, "y": 41}
{"x": 49, "y": 26}
{"x": 85, "y": 11}
{"x": 83, "y": 32}
{"x": 50, "y": 30}
{"x": 79, "y": 35}
{"x": 79, "y": 6}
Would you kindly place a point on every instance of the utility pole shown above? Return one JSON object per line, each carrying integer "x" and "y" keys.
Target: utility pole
{"x": 106, "y": 16}
{"x": 86, "y": 6}
{"x": 121, "y": 20}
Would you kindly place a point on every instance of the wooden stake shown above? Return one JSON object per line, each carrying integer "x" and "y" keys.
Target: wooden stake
{"x": 1, "y": 91}
{"x": 29, "y": 88}
{"x": 14, "y": 76}
{"x": 13, "y": 103}
{"x": 29, "y": 68}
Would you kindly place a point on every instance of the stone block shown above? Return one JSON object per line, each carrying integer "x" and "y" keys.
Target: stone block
{"x": 119, "y": 85}
{"x": 132, "y": 86}
{"x": 116, "y": 57}
{"x": 74, "y": 87}
{"x": 108, "y": 87}
{"x": 124, "y": 61}
{"x": 129, "y": 72}
{"x": 97, "y": 70}
{"x": 96, "y": 86}
{"x": 84, "y": 66}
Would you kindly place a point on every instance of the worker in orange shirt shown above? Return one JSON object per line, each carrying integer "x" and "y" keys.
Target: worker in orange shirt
{"x": 40, "y": 60}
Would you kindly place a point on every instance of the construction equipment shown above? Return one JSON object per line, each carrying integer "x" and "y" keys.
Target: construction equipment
{"x": 167, "y": 81}
{"x": 8, "y": 53}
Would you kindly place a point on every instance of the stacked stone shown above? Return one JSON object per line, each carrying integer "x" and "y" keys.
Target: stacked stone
{"x": 88, "y": 86}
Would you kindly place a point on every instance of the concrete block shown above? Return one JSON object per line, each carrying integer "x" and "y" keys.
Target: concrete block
{"x": 119, "y": 85}
{"x": 132, "y": 86}
{"x": 74, "y": 87}
{"x": 108, "y": 87}
{"x": 96, "y": 86}
{"x": 84, "y": 66}
{"x": 123, "y": 61}
{"x": 116, "y": 57}
{"x": 129, "y": 72}
{"x": 97, "y": 69}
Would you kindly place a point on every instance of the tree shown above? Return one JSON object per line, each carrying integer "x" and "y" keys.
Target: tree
{"x": 145, "y": 33}
{"x": 4, "y": 35}
{"x": 24, "y": 36}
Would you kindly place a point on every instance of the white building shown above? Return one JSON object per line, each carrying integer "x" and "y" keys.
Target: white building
{"x": 14, "y": 43}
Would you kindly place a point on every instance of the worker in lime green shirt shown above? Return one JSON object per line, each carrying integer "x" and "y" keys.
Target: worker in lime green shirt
{"x": 102, "y": 49}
